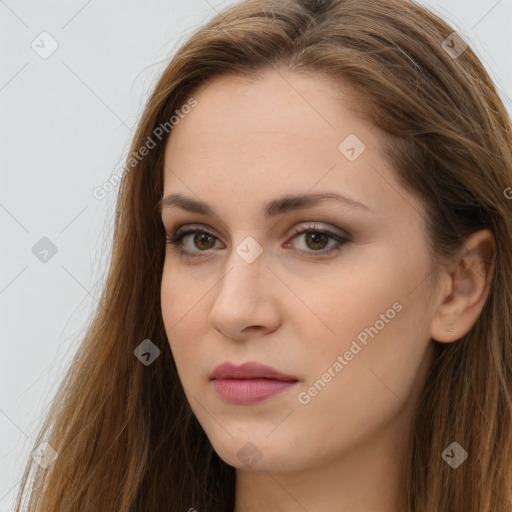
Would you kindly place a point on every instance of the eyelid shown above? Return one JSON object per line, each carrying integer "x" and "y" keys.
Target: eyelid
{"x": 316, "y": 226}
{"x": 193, "y": 227}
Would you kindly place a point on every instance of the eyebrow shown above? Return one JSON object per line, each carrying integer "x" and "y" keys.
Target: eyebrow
{"x": 272, "y": 208}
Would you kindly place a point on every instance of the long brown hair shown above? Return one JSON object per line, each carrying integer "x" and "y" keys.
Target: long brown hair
{"x": 124, "y": 433}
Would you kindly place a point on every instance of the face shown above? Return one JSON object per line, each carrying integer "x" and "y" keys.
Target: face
{"x": 331, "y": 294}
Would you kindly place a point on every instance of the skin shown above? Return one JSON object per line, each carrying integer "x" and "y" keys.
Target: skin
{"x": 244, "y": 144}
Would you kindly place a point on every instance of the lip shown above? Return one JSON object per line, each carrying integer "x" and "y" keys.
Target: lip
{"x": 249, "y": 383}
{"x": 250, "y": 370}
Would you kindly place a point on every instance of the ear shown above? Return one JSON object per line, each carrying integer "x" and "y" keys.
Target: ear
{"x": 464, "y": 287}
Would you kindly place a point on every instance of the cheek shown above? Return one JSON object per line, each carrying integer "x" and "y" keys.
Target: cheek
{"x": 371, "y": 319}
{"x": 344, "y": 303}
{"x": 180, "y": 300}
{"x": 372, "y": 385}
{"x": 180, "y": 312}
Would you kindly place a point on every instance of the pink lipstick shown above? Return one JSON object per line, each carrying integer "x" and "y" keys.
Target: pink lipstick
{"x": 249, "y": 383}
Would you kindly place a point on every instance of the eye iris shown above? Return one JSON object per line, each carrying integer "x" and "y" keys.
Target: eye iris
{"x": 199, "y": 238}
{"x": 318, "y": 238}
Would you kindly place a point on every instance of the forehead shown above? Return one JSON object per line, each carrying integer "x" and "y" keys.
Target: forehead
{"x": 280, "y": 134}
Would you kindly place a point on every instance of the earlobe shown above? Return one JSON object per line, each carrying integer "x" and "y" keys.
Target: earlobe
{"x": 466, "y": 285}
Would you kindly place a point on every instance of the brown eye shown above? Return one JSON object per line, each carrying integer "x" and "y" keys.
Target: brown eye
{"x": 203, "y": 240}
{"x": 316, "y": 240}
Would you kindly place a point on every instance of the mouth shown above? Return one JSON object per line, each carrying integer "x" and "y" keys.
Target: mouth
{"x": 249, "y": 383}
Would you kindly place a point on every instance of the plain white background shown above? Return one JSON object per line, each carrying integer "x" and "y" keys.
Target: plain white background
{"x": 67, "y": 122}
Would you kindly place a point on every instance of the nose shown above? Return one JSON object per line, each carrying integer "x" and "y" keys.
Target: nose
{"x": 245, "y": 300}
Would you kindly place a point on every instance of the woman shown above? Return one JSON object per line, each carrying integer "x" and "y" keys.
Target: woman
{"x": 328, "y": 325}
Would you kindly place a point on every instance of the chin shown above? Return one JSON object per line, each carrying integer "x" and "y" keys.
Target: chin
{"x": 256, "y": 453}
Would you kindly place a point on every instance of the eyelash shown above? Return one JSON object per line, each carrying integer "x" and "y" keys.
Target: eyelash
{"x": 176, "y": 236}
